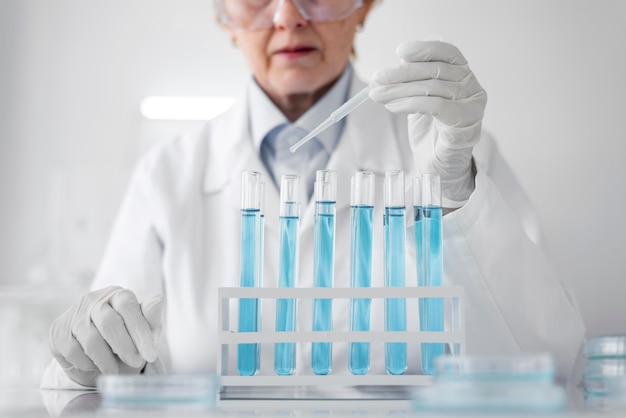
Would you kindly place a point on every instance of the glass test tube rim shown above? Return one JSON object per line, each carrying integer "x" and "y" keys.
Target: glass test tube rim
{"x": 394, "y": 189}
{"x": 362, "y": 189}
{"x": 431, "y": 190}
{"x": 325, "y": 186}
{"x": 289, "y": 195}
{"x": 251, "y": 190}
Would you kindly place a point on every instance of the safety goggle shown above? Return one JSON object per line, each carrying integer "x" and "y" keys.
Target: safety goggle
{"x": 263, "y": 14}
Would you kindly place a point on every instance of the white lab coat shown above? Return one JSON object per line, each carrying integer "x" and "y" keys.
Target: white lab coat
{"x": 178, "y": 233}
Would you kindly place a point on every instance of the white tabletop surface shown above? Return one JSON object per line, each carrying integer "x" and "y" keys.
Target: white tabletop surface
{"x": 31, "y": 403}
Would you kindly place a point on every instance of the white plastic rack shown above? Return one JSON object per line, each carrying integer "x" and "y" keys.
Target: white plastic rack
{"x": 229, "y": 338}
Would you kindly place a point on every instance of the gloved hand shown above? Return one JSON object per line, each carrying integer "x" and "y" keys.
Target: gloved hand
{"x": 107, "y": 332}
{"x": 445, "y": 103}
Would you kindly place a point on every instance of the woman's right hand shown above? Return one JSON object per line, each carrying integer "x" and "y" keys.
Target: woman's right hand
{"x": 107, "y": 332}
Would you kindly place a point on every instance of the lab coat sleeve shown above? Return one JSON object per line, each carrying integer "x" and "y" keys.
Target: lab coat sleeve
{"x": 133, "y": 257}
{"x": 514, "y": 298}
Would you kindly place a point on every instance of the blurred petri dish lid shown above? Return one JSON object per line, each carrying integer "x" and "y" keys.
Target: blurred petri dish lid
{"x": 606, "y": 346}
{"x": 614, "y": 385}
{"x": 473, "y": 398}
{"x": 598, "y": 403}
{"x": 610, "y": 396}
{"x": 158, "y": 391}
{"x": 538, "y": 367}
{"x": 605, "y": 367}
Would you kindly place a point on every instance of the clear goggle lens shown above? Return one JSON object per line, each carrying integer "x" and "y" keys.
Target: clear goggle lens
{"x": 262, "y": 14}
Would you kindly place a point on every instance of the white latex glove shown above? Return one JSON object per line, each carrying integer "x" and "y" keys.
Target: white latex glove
{"x": 107, "y": 332}
{"x": 445, "y": 103}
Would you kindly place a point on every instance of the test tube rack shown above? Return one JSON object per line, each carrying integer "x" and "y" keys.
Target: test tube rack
{"x": 229, "y": 338}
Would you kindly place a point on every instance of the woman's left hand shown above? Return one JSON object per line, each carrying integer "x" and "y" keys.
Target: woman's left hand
{"x": 434, "y": 85}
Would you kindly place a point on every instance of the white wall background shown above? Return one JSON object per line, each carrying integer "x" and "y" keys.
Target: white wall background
{"x": 73, "y": 72}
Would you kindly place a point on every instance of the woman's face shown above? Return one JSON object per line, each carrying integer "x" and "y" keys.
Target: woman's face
{"x": 296, "y": 56}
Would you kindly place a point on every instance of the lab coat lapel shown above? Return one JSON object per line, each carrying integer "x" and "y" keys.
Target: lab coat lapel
{"x": 230, "y": 152}
{"x": 364, "y": 146}
{"x": 225, "y": 150}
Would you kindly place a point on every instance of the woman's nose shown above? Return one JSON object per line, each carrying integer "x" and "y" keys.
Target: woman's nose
{"x": 288, "y": 16}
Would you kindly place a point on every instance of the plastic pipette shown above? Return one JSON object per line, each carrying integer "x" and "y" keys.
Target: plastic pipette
{"x": 346, "y": 108}
{"x": 343, "y": 110}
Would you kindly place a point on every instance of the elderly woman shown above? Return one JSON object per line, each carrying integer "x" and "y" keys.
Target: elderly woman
{"x": 176, "y": 238}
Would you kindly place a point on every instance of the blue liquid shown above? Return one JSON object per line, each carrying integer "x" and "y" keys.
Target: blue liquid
{"x": 395, "y": 276}
{"x": 362, "y": 225}
{"x": 248, "y": 355}
{"x": 261, "y": 255}
{"x": 429, "y": 244}
{"x": 285, "y": 353}
{"x": 324, "y": 263}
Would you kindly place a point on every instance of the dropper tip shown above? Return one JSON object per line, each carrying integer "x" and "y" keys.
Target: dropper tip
{"x": 301, "y": 142}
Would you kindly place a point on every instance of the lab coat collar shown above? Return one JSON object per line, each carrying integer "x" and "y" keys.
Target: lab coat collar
{"x": 265, "y": 116}
{"x": 230, "y": 151}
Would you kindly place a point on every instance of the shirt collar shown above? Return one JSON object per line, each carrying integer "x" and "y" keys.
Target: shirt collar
{"x": 264, "y": 115}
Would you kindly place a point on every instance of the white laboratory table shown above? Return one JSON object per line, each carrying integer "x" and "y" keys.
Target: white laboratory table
{"x": 35, "y": 403}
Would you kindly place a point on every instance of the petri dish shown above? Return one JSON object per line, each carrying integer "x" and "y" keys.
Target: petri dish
{"x": 611, "y": 398}
{"x": 601, "y": 373}
{"x": 606, "y": 367}
{"x": 608, "y": 346}
{"x": 518, "y": 384}
{"x": 499, "y": 368}
{"x": 502, "y": 398}
{"x": 158, "y": 391}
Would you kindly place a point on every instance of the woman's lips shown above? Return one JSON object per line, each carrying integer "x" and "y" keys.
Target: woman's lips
{"x": 294, "y": 52}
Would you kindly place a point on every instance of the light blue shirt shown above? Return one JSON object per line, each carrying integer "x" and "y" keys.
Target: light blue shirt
{"x": 272, "y": 134}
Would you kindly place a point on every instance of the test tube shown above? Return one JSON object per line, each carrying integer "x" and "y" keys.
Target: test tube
{"x": 248, "y": 355}
{"x": 395, "y": 241}
{"x": 362, "y": 229}
{"x": 429, "y": 247}
{"x": 325, "y": 190}
{"x": 260, "y": 252}
{"x": 261, "y": 247}
{"x": 289, "y": 224}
